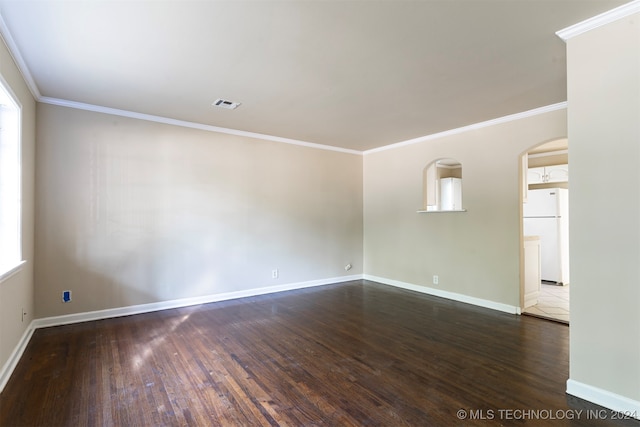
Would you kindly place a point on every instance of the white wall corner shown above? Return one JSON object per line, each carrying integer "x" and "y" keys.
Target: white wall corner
{"x": 599, "y": 20}
{"x": 15, "y": 356}
{"x": 5, "y": 35}
{"x": 498, "y": 306}
{"x": 622, "y": 406}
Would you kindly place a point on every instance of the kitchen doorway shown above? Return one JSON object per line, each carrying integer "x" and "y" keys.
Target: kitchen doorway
{"x": 545, "y": 287}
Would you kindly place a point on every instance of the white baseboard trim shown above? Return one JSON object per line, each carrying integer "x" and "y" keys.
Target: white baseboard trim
{"x": 613, "y": 401}
{"x": 183, "y": 302}
{"x": 511, "y": 309}
{"x": 17, "y": 353}
{"x": 15, "y": 356}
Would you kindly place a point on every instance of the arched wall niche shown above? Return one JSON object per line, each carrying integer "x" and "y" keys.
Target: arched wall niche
{"x": 442, "y": 186}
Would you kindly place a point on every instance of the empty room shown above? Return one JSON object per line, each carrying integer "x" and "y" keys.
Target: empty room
{"x": 297, "y": 213}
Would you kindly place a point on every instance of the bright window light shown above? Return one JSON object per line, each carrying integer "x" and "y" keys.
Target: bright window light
{"x": 10, "y": 173}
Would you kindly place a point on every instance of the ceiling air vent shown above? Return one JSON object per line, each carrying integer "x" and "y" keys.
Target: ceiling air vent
{"x": 223, "y": 103}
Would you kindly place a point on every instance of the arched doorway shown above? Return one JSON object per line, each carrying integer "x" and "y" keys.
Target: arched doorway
{"x": 544, "y": 261}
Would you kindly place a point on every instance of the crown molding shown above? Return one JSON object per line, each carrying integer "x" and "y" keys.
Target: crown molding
{"x": 192, "y": 125}
{"x": 6, "y": 37}
{"x": 33, "y": 87}
{"x": 476, "y": 126}
{"x": 17, "y": 58}
{"x": 599, "y": 20}
{"x": 236, "y": 132}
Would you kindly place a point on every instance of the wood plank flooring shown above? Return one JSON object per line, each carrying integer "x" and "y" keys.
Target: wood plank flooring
{"x": 352, "y": 354}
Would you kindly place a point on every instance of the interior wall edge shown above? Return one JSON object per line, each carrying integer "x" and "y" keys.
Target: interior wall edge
{"x": 625, "y": 407}
{"x": 16, "y": 355}
{"x": 14, "y": 52}
{"x": 600, "y": 20}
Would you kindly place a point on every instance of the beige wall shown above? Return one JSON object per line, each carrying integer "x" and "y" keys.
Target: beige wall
{"x": 134, "y": 212}
{"x": 603, "y": 120}
{"x": 475, "y": 253}
{"x": 16, "y": 292}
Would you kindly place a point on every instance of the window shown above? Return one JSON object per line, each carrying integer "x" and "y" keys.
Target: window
{"x": 10, "y": 193}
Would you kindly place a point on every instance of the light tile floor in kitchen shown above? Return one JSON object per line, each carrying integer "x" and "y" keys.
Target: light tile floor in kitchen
{"x": 553, "y": 303}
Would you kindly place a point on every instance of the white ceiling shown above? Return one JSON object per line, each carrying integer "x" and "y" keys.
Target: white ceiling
{"x": 351, "y": 74}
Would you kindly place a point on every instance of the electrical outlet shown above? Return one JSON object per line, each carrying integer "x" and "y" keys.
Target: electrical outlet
{"x": 348, "y": 267}
{"x": 24, "y": 313}
{"x": 66, "y": 296}
{"x": 274, "y": 274}
{"x": 435, "y": 280}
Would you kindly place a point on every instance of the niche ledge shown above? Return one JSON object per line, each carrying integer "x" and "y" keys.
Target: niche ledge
{"x": 441, "y": 211}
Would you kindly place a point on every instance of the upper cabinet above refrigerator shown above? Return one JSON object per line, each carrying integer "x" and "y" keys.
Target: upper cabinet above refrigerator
{"x": 548, "y": 174}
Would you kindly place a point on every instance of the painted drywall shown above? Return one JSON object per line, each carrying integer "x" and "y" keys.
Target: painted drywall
{"x": 17, "y": 291}
{"x": 134, "y": 212}
{"x": 474, "y": 253}
{"x": 604, "y": 134}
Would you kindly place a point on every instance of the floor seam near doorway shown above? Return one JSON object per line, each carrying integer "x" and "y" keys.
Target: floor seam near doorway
{"x": 553, "y": 303}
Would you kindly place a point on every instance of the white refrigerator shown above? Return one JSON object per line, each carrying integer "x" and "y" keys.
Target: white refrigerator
{"x": 546, "y": 214}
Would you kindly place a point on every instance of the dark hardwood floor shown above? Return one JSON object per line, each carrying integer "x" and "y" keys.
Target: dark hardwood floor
{"x": 352, "y": 354}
